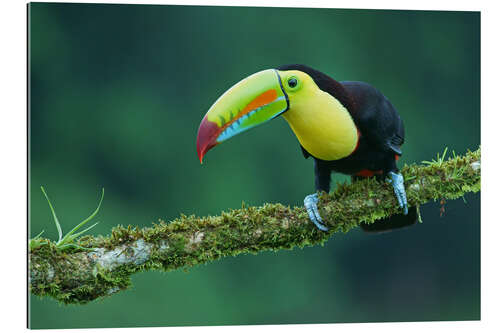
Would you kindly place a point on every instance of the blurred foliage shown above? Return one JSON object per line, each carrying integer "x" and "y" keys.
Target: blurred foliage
{"x": 117, "y": 94}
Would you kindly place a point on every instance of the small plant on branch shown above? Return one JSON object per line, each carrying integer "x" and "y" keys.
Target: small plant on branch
{"x": 440, "y": 159}
{"x": 67, "y": 241}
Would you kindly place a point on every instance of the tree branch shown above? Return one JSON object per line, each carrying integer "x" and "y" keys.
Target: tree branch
{"x": 77, "y": 276}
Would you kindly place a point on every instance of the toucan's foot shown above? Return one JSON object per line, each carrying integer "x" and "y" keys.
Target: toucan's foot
{"x": 311, "y": 203}
{"x": 397, "y": 181}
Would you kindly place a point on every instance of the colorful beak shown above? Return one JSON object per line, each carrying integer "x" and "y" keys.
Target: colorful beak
{"x": 249, "y": 103}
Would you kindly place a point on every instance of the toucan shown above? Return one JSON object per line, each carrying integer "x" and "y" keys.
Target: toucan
{"x": 347, "y": 127}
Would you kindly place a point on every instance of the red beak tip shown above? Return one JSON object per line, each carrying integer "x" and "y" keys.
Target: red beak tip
{"x": 201, "y": 152}
{"x": 206, "y": 137}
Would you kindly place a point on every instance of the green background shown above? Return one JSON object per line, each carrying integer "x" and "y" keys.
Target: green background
{"x": 117, "y": 94}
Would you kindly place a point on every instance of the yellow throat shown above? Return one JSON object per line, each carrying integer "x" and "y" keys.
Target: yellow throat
{"x": 321, "y": 123}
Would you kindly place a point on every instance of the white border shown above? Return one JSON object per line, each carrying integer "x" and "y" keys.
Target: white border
{"x": 13, "y": 164}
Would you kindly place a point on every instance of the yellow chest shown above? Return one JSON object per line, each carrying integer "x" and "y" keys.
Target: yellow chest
{"x": 323, "y": 126}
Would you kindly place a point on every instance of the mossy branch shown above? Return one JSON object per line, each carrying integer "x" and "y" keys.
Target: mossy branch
{"x": 79, "y": 276}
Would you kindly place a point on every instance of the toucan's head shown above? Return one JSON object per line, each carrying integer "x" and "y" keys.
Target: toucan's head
{"x": 259, "y": 98}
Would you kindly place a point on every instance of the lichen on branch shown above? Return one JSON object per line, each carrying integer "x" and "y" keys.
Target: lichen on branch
{"x": 78, "y": 276}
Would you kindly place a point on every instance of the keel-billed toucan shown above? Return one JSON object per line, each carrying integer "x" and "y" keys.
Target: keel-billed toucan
{"x": 347, "y": 127}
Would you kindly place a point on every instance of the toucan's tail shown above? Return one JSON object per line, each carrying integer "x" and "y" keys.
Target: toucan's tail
{"x": 393, "y": 222}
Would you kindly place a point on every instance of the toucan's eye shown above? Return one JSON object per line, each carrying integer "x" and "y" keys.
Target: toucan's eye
{"x": 292, "y": 82}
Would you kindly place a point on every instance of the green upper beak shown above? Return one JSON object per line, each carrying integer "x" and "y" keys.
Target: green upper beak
{"x": 250, "y": 102}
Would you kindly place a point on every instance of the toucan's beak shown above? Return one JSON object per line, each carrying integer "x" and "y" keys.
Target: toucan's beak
{"x": 251, "y": 102}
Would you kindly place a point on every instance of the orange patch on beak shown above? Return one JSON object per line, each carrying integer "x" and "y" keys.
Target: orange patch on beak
{"x": 263, "y": 99}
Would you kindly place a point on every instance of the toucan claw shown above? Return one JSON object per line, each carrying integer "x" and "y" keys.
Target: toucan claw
{"x": 397, "y": 181}
{"x": 311, "y": 204}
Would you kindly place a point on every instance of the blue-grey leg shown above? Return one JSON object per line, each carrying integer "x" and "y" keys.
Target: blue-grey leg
{"x": 311, "y": 204}
{"x": 397, "y": 181}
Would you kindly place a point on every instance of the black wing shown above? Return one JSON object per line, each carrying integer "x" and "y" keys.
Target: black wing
{"x": 376, "y": 118}
{"x": 396, "y": 141}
